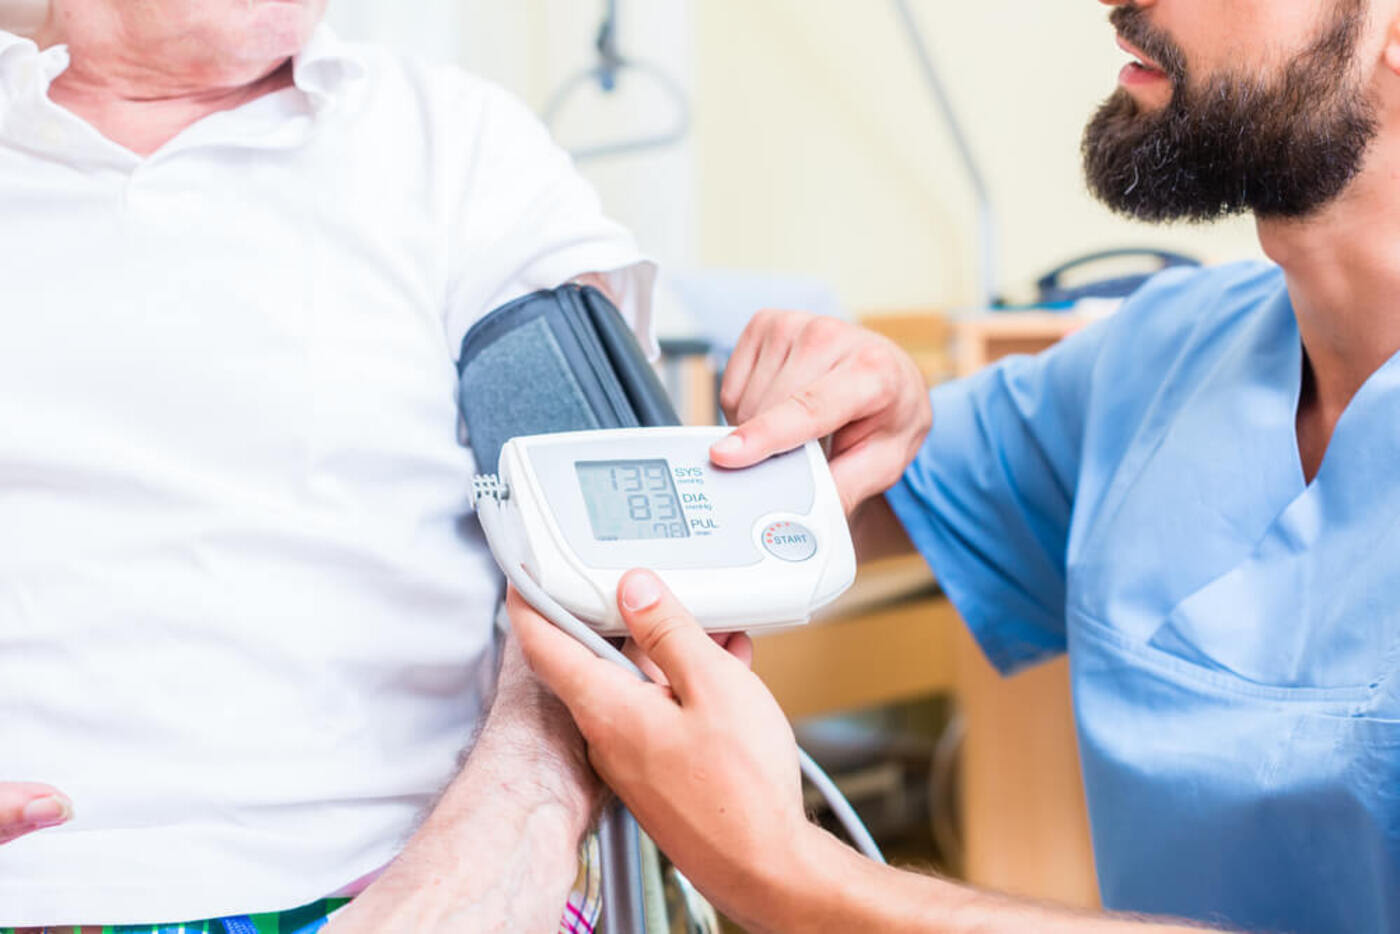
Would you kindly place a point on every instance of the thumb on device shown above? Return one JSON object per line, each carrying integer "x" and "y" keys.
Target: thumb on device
{"x": 669, "y": 636}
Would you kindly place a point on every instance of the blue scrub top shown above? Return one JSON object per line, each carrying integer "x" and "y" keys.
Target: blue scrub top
{"x": 1135, "y": 496}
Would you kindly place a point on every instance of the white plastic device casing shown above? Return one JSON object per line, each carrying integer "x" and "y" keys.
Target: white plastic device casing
{"x": 727, "y": 581}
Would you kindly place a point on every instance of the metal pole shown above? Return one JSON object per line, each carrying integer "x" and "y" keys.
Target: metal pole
{"x": 989, "y": 249}
{"x": 624, "y": 904}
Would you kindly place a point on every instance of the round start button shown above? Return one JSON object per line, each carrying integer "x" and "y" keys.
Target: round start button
{"x": 790, "y": 541}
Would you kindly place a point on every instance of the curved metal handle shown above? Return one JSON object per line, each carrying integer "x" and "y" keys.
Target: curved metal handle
{"x": 699, "y": 915}
{"x": 611, "y": 62}
{"x": 605, "y": 75}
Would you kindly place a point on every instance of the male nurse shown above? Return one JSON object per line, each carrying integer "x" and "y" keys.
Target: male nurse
{"x": 1197, "y": 499}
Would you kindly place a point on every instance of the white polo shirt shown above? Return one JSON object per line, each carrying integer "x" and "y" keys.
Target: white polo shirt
{"x": 243, "y": 610}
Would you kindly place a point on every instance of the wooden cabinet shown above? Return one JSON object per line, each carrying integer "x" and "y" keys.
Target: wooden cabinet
{"x": 1025, "y": 822}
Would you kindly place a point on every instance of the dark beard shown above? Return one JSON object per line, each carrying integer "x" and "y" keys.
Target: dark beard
{"x": 1281, "y": 147}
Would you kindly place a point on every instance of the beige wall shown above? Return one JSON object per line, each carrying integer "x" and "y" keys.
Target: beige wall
{"x": 819, "y": 150}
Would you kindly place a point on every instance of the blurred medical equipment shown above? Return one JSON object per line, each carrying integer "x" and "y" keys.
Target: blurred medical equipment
{"x": 699, "y": 914}
{"x": 611, "y": 63}
{"x": 1053, "y": 290}
{"x": 988, "y": 228}
{"x": 556, "y": 361}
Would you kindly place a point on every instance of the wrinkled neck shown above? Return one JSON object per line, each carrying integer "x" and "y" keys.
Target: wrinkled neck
{"x": 140, "y": 82}
{"x": 144, "y": 117}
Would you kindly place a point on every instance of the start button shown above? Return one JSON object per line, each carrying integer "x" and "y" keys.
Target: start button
{"x": 790, "y": 541}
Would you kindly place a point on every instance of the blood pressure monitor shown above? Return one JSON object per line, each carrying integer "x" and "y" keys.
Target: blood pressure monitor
{"x": 748, "y": 549}
{"x": 566, "y": 515}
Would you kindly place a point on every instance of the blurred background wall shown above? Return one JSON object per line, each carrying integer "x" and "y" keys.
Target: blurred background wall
{"x": 816, "y": 150}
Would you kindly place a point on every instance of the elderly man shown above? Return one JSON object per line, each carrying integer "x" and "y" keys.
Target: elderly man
{"x": 245, "y": 625}
{"x": 1197, "y": 499}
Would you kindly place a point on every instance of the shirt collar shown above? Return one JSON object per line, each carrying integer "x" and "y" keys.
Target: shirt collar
{"x": 10, "y": 41}
{"x": 23, "y": 66}
{"x": 324, "y": 68}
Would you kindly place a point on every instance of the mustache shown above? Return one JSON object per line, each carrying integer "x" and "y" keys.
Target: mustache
{"x": 1133, "y": 25}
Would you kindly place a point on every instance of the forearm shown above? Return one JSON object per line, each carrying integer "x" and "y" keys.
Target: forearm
{"x": 876, "y": 531}
{"x": 526, "y": 795}
{"x": 499, "y": 852}
{"x": 835, "y": 889}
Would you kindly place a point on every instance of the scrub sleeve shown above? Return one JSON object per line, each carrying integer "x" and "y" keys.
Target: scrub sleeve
{"x": 988, "y": 500}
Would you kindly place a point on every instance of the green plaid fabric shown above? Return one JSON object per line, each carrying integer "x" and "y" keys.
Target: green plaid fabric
{"x": 305, "y": 920}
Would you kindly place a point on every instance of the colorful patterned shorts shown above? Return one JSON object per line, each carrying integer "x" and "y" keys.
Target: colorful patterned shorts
{"x": 580, "y": 914}
{"x": 306, "y": 920}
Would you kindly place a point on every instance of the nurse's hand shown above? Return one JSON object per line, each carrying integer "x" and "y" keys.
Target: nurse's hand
{"x": 709, "y": 768}
{"x": 795, "y": 377}
{"x": 26, "y": 807}
{"x": 708, "y": 765}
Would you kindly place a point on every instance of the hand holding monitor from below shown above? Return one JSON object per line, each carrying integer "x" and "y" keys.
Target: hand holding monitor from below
{"x": 707, "y": 762}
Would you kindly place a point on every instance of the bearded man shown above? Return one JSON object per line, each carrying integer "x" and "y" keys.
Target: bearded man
{"x": 245, "y": 619}
{"x": 1198, "y": 499}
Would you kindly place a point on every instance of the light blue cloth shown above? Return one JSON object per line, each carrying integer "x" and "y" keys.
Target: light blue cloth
{"x": 1135, "y": 496}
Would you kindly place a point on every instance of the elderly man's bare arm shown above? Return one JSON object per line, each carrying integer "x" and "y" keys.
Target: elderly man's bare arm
{"x": 499, "y": 852}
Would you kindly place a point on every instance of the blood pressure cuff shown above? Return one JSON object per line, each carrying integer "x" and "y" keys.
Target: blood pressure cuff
{"x": 560, "y": 360}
